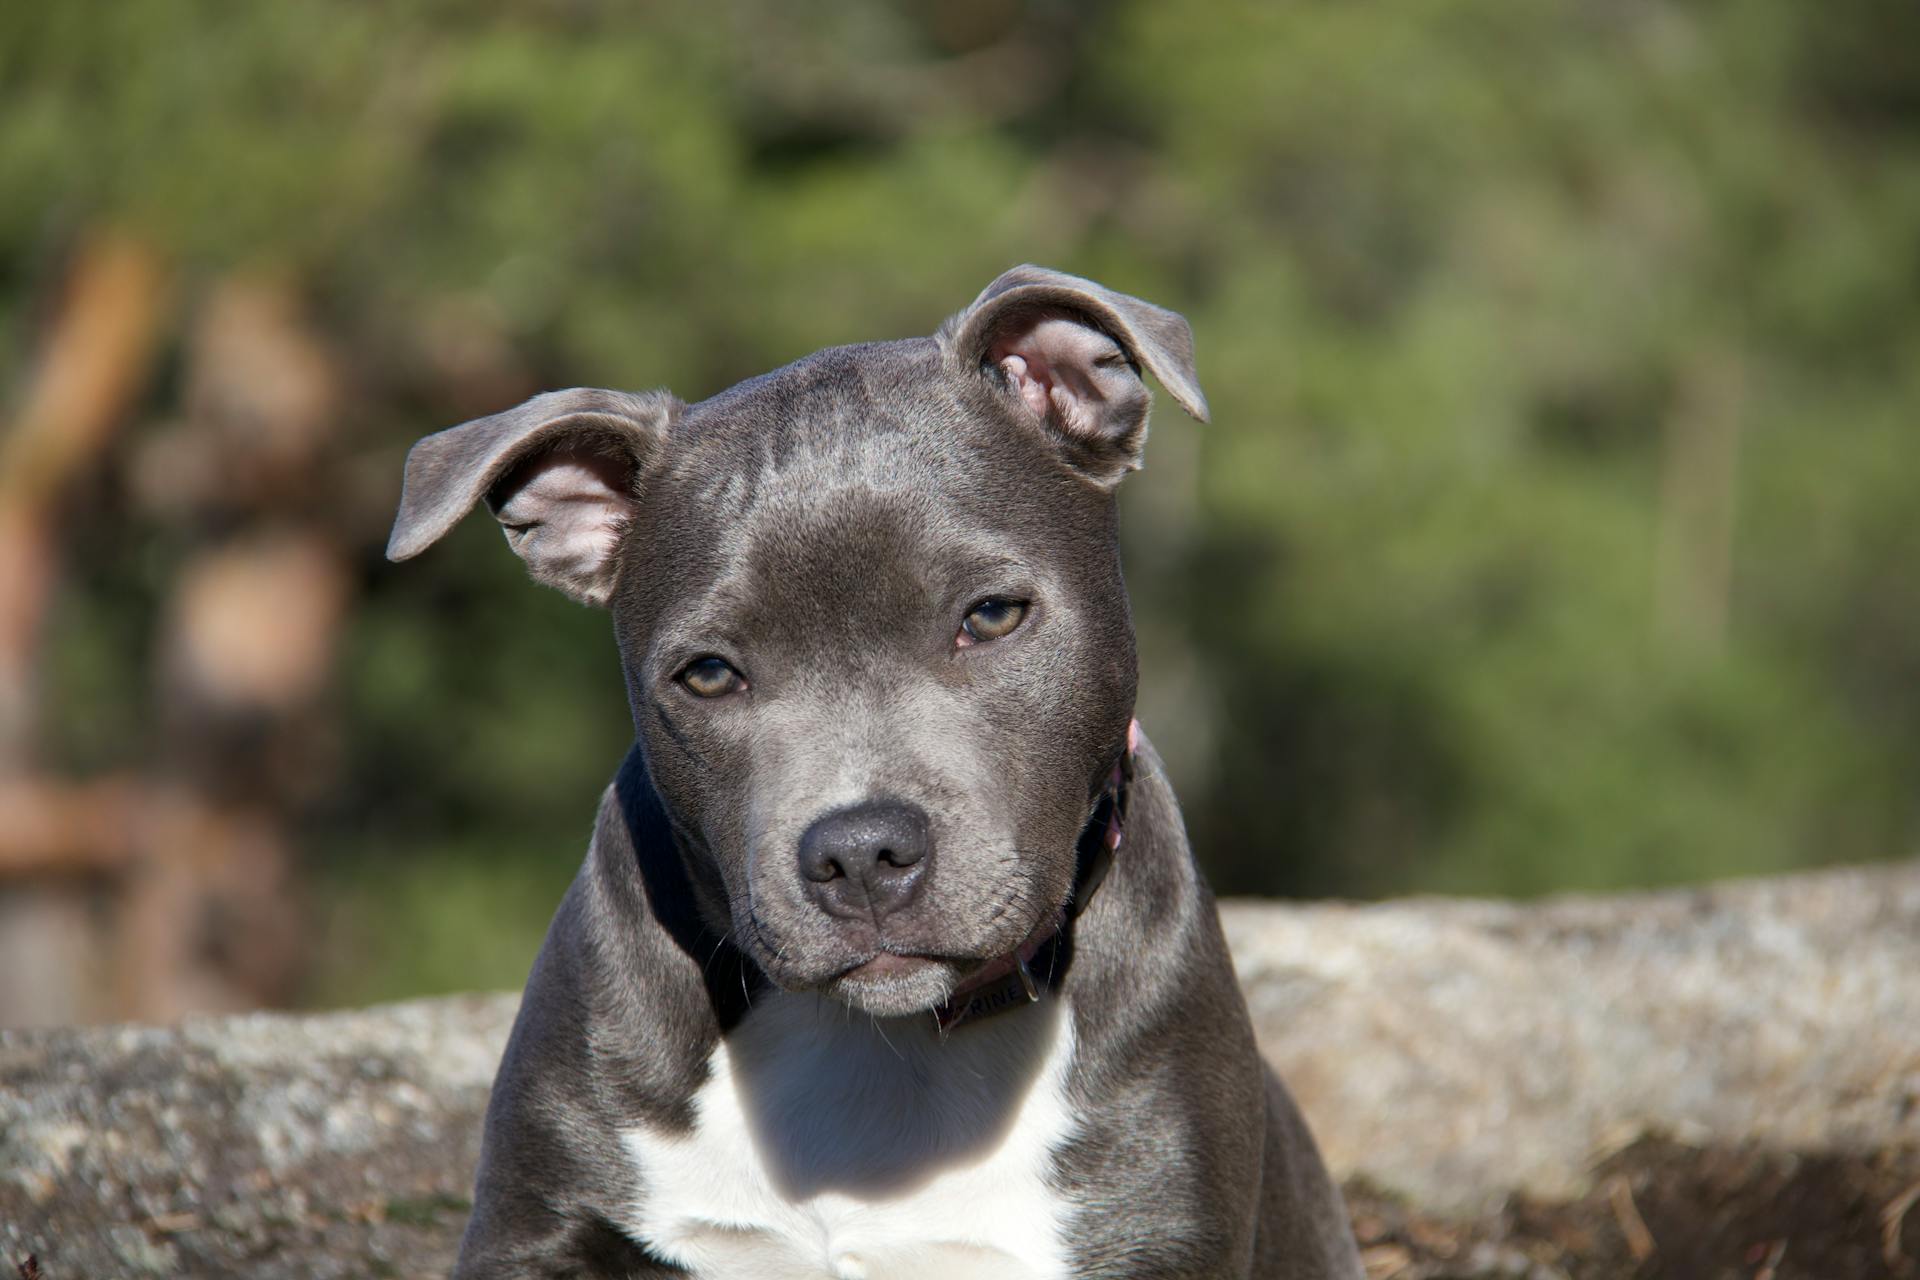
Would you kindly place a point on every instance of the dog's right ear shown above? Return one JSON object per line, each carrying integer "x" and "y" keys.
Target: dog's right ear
{"x": 558, "y": 472}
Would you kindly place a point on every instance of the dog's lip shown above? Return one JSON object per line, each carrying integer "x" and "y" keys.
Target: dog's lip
{"x": 888, "y": 964}
{"x": 966, "y": 967}
{"x": 962, "y": 966}
{"x": 895, "y": 962}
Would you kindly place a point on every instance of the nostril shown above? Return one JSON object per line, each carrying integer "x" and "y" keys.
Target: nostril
{"x": 819, "y": 867}
{"x": 819, "y": 862}
{"x": 899, "y": 859}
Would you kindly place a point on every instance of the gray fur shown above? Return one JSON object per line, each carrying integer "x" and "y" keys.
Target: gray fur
{"x": 823, "y": 529}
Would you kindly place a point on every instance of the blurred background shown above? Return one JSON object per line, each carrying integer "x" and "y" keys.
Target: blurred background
{"x": 1558, "y": 528}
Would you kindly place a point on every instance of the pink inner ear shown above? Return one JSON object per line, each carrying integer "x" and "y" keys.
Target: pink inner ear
{"x": 574, "y": 500}
{"x": 1029, "y": 382}
{"x": 1066, "y": 370}
{"x": 563, "y": 513}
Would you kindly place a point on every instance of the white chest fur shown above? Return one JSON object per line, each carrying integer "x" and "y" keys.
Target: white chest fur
{"x": 828, "y": 1144}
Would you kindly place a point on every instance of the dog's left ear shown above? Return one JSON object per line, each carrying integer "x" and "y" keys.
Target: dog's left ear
{"x": 1069, "y": 352}
{"x": 557, "y": 472}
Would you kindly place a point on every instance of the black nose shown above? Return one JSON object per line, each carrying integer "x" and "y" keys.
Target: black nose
{"x": 868, "y": 861}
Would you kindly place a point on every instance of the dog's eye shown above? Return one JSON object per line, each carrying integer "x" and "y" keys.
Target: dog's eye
{"x": 990, "y": 620}
{"x": 711, "y": 678}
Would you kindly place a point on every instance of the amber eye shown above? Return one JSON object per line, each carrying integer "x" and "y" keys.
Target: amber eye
{"x": 711, "y": 678}
{"x": 990, "y": 620}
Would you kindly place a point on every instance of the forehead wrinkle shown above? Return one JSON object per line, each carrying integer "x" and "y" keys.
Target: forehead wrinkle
{"x": 802, "y": 540}
{"x": 815, "y": 472}
{"x": 783, "y": 413}
{"x": 875, "y": 411}
{"x": 762, "y": 534}
{"x": 782, "y": 578}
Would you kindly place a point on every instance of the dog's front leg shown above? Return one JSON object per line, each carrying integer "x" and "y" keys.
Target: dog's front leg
{"x": 552, "y": 1172}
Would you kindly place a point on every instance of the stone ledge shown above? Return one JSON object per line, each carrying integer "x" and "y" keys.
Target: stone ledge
{"x": 1455, "y": 1051}
{"x": 1507, "y": 1089}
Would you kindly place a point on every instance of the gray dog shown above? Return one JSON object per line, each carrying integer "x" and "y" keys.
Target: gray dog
{"x": 889, "y": 957}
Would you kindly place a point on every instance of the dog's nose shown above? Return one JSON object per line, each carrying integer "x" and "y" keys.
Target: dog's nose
{"x": 868, "y": 861}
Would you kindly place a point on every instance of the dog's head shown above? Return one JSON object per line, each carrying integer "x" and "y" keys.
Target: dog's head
{"x": 871, "y": 615}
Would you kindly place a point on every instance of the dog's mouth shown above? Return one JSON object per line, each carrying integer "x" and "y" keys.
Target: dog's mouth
{"x": 891, "y": 984}
{"x": 894, "y": 983}
{"x": 882, "y": 976}
{"x": 888, "y": 966}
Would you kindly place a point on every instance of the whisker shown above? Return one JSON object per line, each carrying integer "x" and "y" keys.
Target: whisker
{"x": 714, "y": 954}
{"x": 882, "y": 1033}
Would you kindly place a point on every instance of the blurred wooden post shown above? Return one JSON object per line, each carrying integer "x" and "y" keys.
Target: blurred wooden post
{"x": 94, "y": 364}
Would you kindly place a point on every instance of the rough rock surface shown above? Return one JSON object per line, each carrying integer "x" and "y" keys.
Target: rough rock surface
{"x": 1454, "y": 1051}
{"x": 1723, "y": 1081}
{"x": 261, "y": 1146}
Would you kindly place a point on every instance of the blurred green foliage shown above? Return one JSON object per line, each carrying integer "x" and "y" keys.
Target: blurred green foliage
{"x": 1559, "y": 525}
